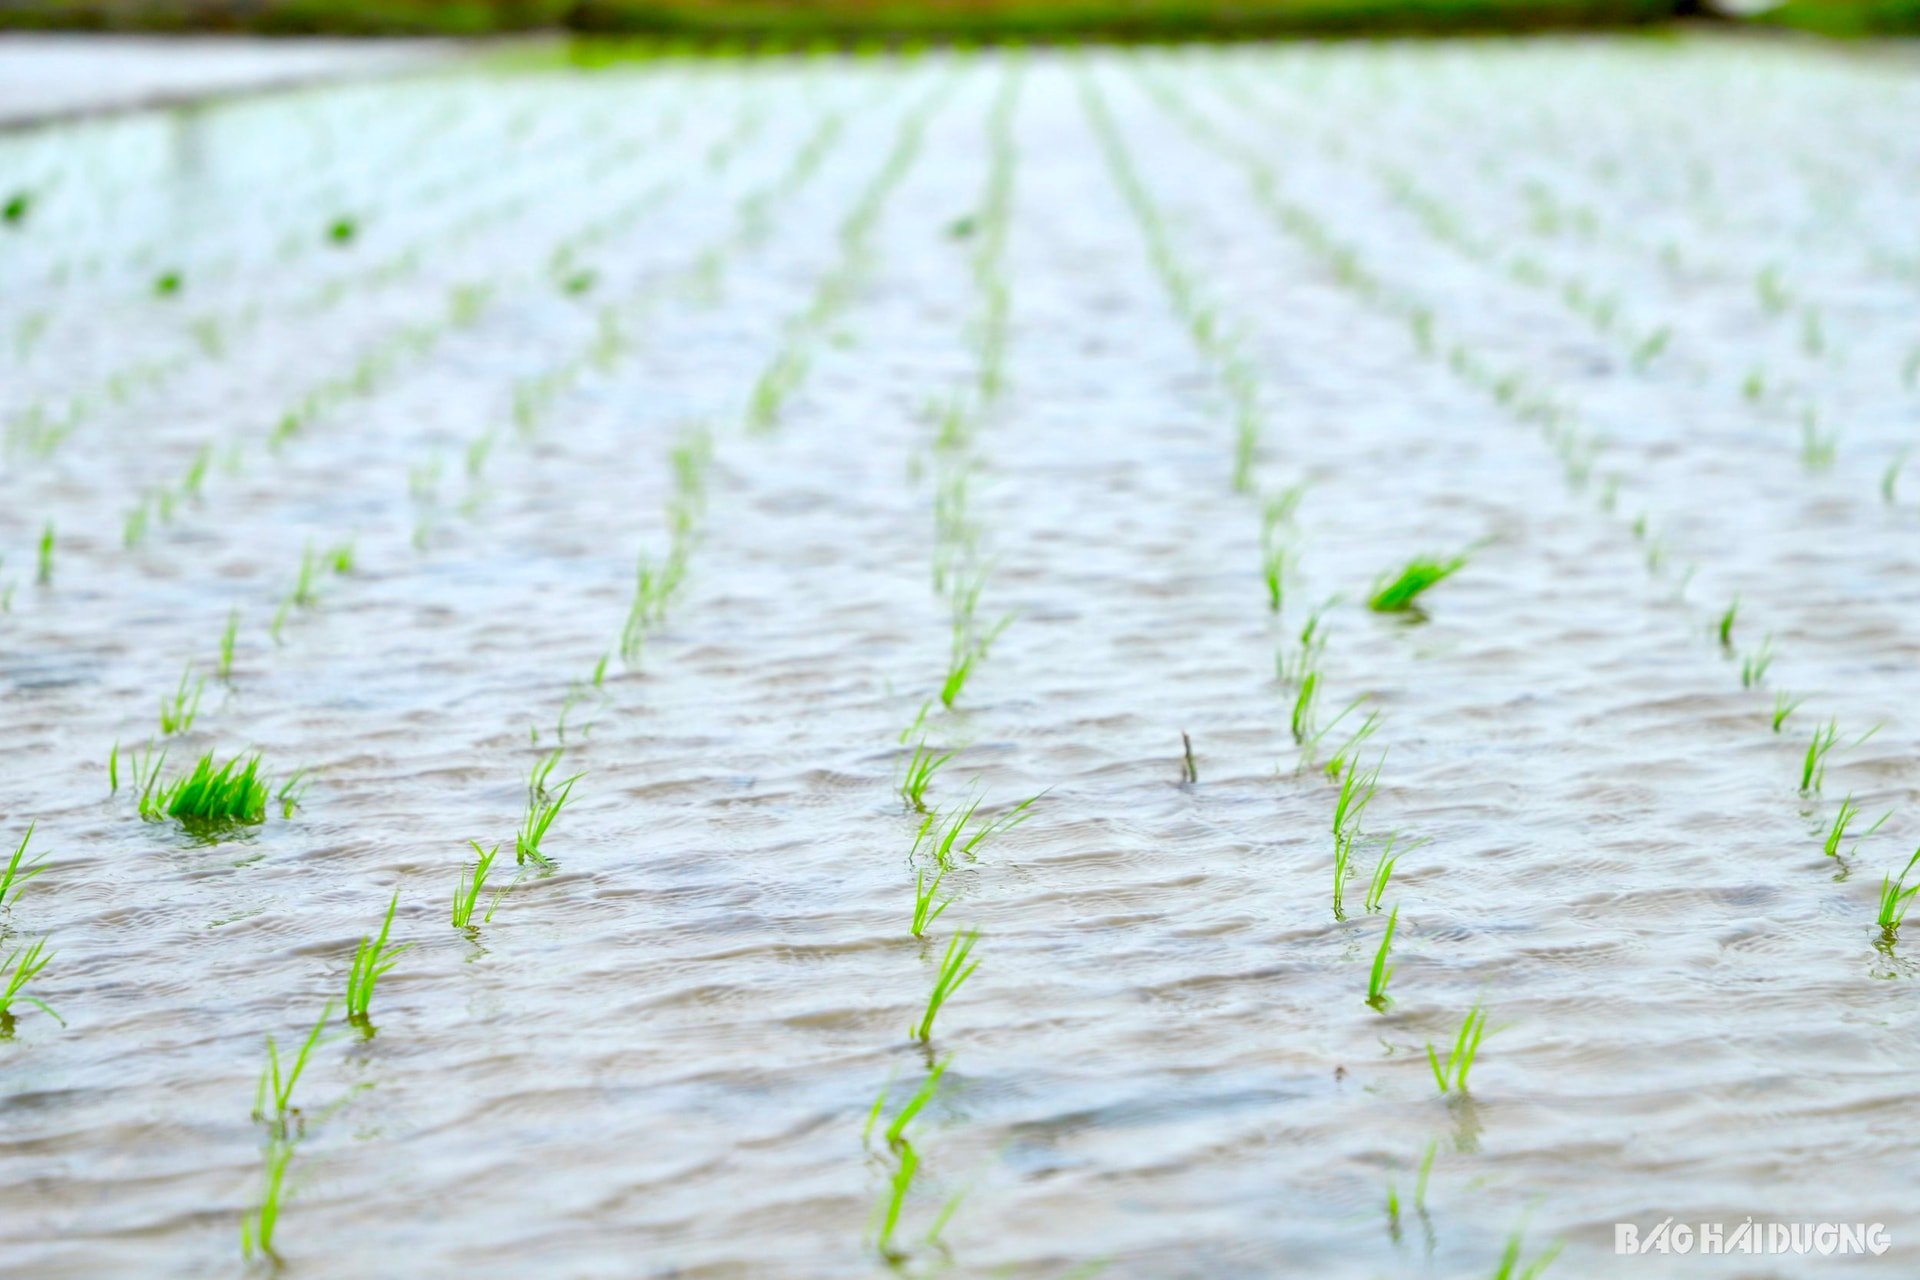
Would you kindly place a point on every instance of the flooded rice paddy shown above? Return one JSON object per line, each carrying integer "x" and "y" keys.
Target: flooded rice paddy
{"x": 949, "y": 494}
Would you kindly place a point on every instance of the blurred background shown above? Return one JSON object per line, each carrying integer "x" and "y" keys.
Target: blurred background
{"x": 779, "y": 21}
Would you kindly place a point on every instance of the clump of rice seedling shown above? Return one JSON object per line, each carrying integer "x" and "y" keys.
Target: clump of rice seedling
{"x": 1301, "y": 722}
{"x": 1277, "y": 562}
{"x": 373, "y": 959}
{"x": 1725, "y": 627}
{"x": 943, "y": 841}
{"x": 225, "y": 670}
{"x": 1382, "y": 972}
{"x": 277, "y": 1080}
{"x": 1341, "y": 761}
{"x": 1817, "y": 447}
{"x": 1890, "y": 478}
{"x": 1356, "y": 792}
{"x": 1510, "y": 1268}
{"x": 1382, "y": 873}
{"x": 20, "y": 968}
{"x": 920, "y": 772}
{"x": 1813, "y": 769}
{"x": 924, "y": 910}
{"x": 1452, "y": 1075}
{"x": 15, "y": 210}
{"x": 543, "y": 806}
{"x": 1895, "y": 897}
{"x": 1784, "y": 705}
{"x": 897, "y": 1131}
{"x": 466, "y": 895}
{"x": 1401, "y": 594}
{"x": 1753, "y": 667}
{"x": 954, "y": 971}
{"x": 897, "y": 1189}
{"x": 340, "y": 558}
{"x": 178, "y": 711}
{"x": 19, "y": 871}
{"x": 341, "y": 231}
{"x": 1648, "y": 349}
{"x": 291, "y": 791}
{"x": 44, "y": 573}
{"x": 209, "y": 798}
{"x": 1189, "y": 770}
{"x": 166, "y": 284}
{"x": 1837, "y": 833}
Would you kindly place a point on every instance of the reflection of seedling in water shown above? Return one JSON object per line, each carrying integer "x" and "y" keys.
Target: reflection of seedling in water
{"x": 22, "y": 967}
{"x": 19, "y": 871}
{"x": 1382, "y": 972}
{"x": 257, "y": 1227}
{"x": 1837, "y": 833}
{"x": 178, "y": 711}
{"x": 373, "y": 959}
{"x": 1401, "y": 594}
{"x": 954, "y": 971}
{"x": 232, "y": 795}
{"x": 1452, "y": 1075}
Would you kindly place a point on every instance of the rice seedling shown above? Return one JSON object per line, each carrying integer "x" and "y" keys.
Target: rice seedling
{"x": 177, "y": 712}
{"x": 1890, "y": 478}
{"x": 953, "y": 973}
{"x": 341, "y": 231}
{"x": 1426, "y": 1172}
{"x": 258, "y": 1223}
{"x": 1510, "y": 1268}
{"x": 1784, "y": 705}
{"x": 1813, "y": 768}
{"x": 1382, "y": 873}
{"x": 21, "y": 967}
{"x": 225, "y": 670}
{"x": 896, "y": 1132}
{"x": 1301, "y": 721}
{"x": 1648, "y": 349}
{"x": 1356, "y": 793}
{"x": 925, "y": 912}
{"x": 208, "y": 799}
{"x": 166, "y": 284}
{"x": 466, "y": 895}
{"x": 1382, "y": 972}
{"x": 43, "y": 574}
{"x": 290, "y": 792}
{"x": 373, "y": 959}
{"x": 921, "y": 769}
{"x": 340, "y": 558}
{"x": 1837, "y": 833}
{"x": 19, "y": 871}
{"x": 1817, "y": 447}
{"x": 1342, "y": 866}
{"x": 1773, "y": 295}
{"x": 1725, "y": 628}
{"x": 277, "y": 1081}
{"x": 1753, "y": 667}
{"x": 544, "y": 804}
{"x": 15, "y": 210}
{"x": 1190, "y": 771}
{"x": 1401, "y": 594}
{"x": 1277, "y": 562}
{"x": 1452, "y": 1075}
{"x": 1895, "y": 897}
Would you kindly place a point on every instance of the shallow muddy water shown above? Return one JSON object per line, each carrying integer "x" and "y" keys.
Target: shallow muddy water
{"x": 890, "y": 368}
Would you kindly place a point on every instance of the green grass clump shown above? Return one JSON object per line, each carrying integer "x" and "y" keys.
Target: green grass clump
{"x": 1452, "y": 1075}
{"x": 19, "y": 871}
{"x": 1401, "y": 594}
{"x": 20, "y": 968}
{"x": 231, "y": 795}
{"x": 373, "y": 959}
{"x": 954, "y": 971}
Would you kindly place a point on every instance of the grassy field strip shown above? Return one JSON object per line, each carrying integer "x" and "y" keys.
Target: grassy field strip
{"x": 943, "y": 838}
{"x": 1562, "y": 426}
{"x": 37, "y": 429}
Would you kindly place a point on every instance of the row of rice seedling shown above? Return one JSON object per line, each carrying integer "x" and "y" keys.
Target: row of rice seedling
{"x": 1561, "y": 424}
{"x": 948, "y": 835}
{"x": 1215, "y": 339}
